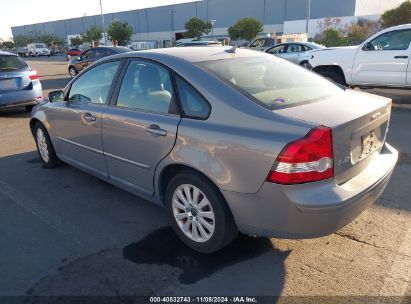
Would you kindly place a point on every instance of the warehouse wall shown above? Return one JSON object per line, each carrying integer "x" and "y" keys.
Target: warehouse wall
{"x": 276, "y": 15}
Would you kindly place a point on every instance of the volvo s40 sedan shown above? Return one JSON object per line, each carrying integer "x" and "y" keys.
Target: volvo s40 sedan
{"x": 226, "y": 140}
{"x": 19, "y": 83}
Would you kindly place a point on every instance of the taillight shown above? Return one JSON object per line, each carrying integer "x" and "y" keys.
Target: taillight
{"x": 305, "y": 160}
{"x": 33, "y": 74}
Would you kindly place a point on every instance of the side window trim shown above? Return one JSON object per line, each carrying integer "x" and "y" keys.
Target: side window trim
{"x": 116, "y": 90}
{"x": 180, "y": 106}
{"x": 113, "y": 85}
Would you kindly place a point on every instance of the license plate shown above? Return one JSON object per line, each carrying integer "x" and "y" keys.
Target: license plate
{"x": 369, "y": 143}
{"x": 9, "y": 84}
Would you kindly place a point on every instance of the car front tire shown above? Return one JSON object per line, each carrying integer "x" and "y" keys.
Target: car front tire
{"x": 45, "y": 147}
{"x": 333, "y": 76}
{"x": 198, "y": 213}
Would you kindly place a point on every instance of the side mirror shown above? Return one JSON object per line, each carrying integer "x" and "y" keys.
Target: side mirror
{"x": 56, "y": 96}
{"x": 368, "y": 47}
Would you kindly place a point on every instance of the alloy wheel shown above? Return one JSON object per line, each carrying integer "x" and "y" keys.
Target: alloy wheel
{"x": 193, "y": 213}
{"x": 42, "y": 145}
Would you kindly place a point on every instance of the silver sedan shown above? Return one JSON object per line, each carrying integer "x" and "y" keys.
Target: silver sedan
{"x": 226, "y": 140}
{"x": 297, "y": 52}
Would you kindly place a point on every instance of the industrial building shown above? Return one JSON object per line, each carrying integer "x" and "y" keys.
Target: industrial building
{"x": 166, "y": 23}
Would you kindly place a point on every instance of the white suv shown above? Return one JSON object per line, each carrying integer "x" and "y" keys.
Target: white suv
{"x": 381, "y": 61}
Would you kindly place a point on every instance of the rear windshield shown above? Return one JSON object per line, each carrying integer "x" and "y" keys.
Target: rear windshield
{"x": 270, "y": 81}
{"x": 40, "y": 46}
{"x": 11, "y": 62}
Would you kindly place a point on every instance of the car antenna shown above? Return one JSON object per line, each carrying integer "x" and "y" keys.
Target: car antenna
{"x": 232, "y": 50}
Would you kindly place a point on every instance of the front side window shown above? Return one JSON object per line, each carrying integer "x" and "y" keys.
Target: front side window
{"x": 271, "y": 82}
{"x": 279, "y": 49}
{"x": 100, "y": 53}
{"x": 147, "y": 86}
{"x": 194, "y": 105}
{"x": 94, "y": 85}
{"x": 395, "y": 40}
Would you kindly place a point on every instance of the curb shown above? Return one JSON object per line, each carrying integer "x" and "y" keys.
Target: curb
{"x": 401, "y": 106}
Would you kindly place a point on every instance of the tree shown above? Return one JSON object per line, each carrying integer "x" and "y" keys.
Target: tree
{"x": 397, "y": 16}
{"x": 361, "y": 30}
{"x": 332, "y": 38}
{"x": 92, "y": 35}
{"x": 119, "y": 32}
{"x": 195, "y": 28}
{"x": 75, "y": 41}
{"x": 7, "y": 45}
{"x": 245, "y": 28}
{"x": 22, "y": 40}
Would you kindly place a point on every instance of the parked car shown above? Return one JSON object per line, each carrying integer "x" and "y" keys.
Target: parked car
{"x": 86, "y": 58}
{"x": 199, "y": 43}
{"x": 19, "y": 84}
{"x": 74, "y": 52}
{"x": 297, "y": 52}
{"x": 382, "y": 60}
{"x": 262, "y": 44}
{"x": 221, "y": 148}
{"x": 22, "y": 52}
{"x": 38, "y": 49}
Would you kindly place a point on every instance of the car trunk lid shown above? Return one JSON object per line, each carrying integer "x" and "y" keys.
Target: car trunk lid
{"x": 359, "y": 123}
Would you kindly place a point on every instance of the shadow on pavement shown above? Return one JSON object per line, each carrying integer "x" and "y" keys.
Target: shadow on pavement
{"x": 125, "y": 248}
{"x": 19, "y": 112}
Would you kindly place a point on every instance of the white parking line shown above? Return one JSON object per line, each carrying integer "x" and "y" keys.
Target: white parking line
{"x": 46, "y": 216}
{"x": 397, "y": 280}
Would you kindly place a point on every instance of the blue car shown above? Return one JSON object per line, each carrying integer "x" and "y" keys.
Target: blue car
{"x": 19, "y": 83}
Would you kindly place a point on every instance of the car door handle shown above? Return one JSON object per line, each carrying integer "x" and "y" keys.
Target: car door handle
{"x": 155, "y": 129}
{"x": 89, "y": 117}
{"x": 400, "y": 57}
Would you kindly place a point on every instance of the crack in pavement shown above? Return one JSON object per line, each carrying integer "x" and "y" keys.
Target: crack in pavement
{"x": 353, "y": 238}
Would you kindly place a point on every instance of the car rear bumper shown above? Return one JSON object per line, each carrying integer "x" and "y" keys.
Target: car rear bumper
{"x": 22, "y": 98}
{"x": 313, "y": 209}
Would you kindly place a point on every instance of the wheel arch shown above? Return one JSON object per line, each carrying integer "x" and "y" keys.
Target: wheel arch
{"x": 331, "y": 68}
{"x": 169, "y": 171}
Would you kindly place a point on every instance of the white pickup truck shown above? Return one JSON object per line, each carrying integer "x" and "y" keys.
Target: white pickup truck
{"x": 383, "y": 60}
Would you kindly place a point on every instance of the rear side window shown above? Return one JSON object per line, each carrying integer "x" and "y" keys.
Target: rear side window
{"x": 11, "y": 62}
{"x": 194, "y": 105}
{"x": 271, "y": 82}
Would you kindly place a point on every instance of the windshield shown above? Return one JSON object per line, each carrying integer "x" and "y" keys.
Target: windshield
{"x": 11, "y": 62}
{"x": 39, "y": 46}
{"x": 270, "y": 81}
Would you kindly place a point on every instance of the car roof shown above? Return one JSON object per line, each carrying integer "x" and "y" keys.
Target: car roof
{"x": 6, "y": 53}
{"x": 196, "y": 54}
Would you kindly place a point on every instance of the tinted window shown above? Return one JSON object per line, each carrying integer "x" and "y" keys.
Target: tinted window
{"x": 94, "y": 85}
{"x": 194, "y": 105}
{"x": 100, "y": 53}
{"x": 395, "y": 40}
{"x": 146, "y": 86}
{"x": 271, "y": 82}
{"x": 11, "y": 62}
{"x": 87, "y": 54}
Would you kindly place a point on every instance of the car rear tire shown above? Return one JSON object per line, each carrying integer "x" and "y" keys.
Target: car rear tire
{"x": 45, "y": 147}
{"x": 73, "y": 72}
{"x": 198, "y": 213}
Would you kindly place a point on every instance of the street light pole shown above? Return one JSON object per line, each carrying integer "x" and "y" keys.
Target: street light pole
{"x": 307, "y": 27}
{"x": 212, "y": 28}
{"x": 102, "y": 21}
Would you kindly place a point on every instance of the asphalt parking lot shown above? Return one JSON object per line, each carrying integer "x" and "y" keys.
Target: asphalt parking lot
{"x": 63, "y": 232}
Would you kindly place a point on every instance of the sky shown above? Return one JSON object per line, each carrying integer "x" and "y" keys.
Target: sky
{"x": 21, "y": 12}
